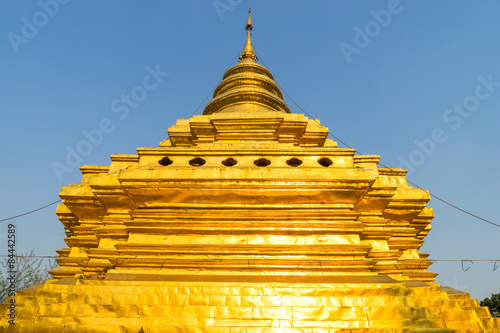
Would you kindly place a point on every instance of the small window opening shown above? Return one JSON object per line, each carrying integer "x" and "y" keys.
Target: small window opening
{"x": 197, "y": 162}
{"x": 294, "y": 162}
{"x": 165, "y": 161}
{"x": 326, "y": 162}
{"x": 262, "y": 162}
{"x": 229, "y": 162}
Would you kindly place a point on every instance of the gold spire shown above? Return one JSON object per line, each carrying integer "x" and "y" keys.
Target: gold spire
{"x": 248, "y": 52}
{"x": 249, "y": 25}
{"x": 247, "y": 86}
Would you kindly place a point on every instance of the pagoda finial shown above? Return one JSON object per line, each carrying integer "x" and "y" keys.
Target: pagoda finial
{"x": 249, "y": 25}
{"x": 248, "y": 52}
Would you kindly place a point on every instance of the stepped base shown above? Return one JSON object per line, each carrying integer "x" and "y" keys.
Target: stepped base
{"x": 246, "y": 304}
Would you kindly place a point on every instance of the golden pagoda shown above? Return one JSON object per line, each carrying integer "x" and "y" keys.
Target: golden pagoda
{"x": 247, "y": 219}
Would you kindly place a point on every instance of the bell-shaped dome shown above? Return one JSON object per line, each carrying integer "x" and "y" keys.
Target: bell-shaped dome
{"x": 247, "y": 86}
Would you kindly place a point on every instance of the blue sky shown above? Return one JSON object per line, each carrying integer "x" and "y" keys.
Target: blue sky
{"x": 414, "y": 81}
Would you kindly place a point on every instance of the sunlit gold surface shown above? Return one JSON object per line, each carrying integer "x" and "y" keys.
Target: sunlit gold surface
{"x": 245, "y": 248}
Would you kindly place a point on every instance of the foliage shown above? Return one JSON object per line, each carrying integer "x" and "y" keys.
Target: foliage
{"x": 29, "y": 271}
{"x": 493, "y": 303}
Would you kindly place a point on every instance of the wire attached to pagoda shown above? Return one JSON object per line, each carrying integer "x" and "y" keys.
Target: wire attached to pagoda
{"x": 31, "y": 211}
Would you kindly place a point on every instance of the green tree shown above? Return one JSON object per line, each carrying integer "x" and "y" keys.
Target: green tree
{"x": 29, "y": 271}
{"x": 493, "y": 303}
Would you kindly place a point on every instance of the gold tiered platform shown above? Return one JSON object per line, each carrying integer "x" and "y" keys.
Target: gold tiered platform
{"x": 247, "y": 219}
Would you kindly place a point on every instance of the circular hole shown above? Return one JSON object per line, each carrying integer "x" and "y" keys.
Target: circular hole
{"x": 197, "y": 162}
{"x": 229, "y": 162}
{"x": 294, "y": 162}
{"x": 326, "y": 162}
{"x": 262, "y": 162}
{"x": 165, "y": 161}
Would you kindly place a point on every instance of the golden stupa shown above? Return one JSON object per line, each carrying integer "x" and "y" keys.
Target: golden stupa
{"x": 248, "y": 219}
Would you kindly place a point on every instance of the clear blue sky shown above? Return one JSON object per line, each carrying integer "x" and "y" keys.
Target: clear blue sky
{"x": 416, "y": 68}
